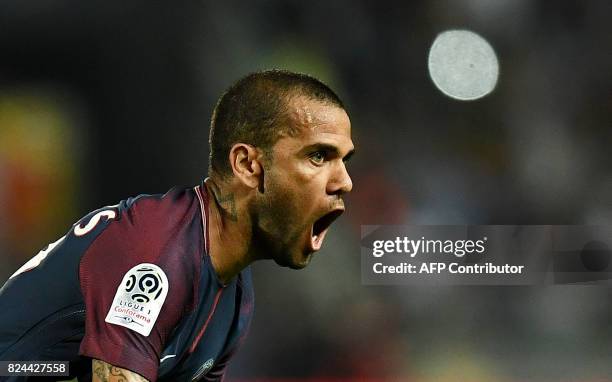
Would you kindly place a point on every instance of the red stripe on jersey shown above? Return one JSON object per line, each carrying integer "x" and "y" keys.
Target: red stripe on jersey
{"x": 212, "y": 312}
{"x": 203, "y": 197}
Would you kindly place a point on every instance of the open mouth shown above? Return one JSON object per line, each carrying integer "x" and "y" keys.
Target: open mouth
{"x": 320, "y": 227}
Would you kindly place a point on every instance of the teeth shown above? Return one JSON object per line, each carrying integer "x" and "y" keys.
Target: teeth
{"x": 321, "y": 226}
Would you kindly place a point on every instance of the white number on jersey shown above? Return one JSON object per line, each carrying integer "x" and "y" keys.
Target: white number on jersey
{"x": 35, "y": 261}
{"x": 78, "y": 231}
{"x": 93, "y": 222}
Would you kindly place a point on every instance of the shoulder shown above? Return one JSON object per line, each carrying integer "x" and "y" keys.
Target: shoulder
{"x": 148, "y": 211}
{"x": 142, "y": 225}
{"x": 159, "y": 211}
{"x": 147, "y": 239}
{"x": 162, "y": 229}
{"x": 140, "y": 276}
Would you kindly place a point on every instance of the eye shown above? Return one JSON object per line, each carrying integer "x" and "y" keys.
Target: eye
{"x": 318, "y": 157}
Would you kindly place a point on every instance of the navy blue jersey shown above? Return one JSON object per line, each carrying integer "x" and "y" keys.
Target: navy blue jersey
{"x": 131, "y": 285}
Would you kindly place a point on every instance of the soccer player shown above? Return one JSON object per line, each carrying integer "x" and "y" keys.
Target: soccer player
{"x": 158, "y": 287}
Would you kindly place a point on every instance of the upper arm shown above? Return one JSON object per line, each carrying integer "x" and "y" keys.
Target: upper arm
{"x": 105, "y": 372}
{"x": 137, "y": 280}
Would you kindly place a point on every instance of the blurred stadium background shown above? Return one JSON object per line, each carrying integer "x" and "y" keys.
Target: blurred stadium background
{"x": 100, "y": 101}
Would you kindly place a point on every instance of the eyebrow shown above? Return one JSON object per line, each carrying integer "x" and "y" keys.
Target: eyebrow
{"x": 330, "y": 149}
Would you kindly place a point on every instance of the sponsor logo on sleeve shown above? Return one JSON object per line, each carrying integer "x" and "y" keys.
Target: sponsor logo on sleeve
{"x": 139, "y": 298}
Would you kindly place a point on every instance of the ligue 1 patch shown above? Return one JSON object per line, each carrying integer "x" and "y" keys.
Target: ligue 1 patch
{"x": 139, "y": 298}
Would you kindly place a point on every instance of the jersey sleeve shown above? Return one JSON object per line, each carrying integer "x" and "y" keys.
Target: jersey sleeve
{"x": 138, "y": 278}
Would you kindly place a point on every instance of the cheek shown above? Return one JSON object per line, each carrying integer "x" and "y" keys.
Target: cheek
{"x": 312, "y": 178}
{"x": 295, "y": 185}
{"x": 301, "y": 188}
{"x": 279, "y": 199}
{"x": 290, "y": 198}
{"x": 290, "y": 174}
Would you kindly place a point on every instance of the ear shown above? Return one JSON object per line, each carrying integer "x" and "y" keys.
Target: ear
{"x": 246, "y": 164}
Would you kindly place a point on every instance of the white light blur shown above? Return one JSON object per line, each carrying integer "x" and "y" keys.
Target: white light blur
{"x": 463, "y": 65}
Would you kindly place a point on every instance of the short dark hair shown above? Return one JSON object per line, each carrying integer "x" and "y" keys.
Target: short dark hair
{"x": 254, "y": 110}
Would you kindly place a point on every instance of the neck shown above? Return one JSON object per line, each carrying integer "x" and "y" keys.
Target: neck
{"x": 229, "y": 232}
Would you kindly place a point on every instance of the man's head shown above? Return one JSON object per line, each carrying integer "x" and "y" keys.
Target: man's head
{"x": 282, "y": 139}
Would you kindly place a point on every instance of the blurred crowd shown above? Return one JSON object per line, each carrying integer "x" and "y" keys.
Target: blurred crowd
{"x": 102, "y": 101}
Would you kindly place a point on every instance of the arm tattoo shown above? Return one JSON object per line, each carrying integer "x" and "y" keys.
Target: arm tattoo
{"x": 98, "y": 369}
{"x": 108, "y": 373}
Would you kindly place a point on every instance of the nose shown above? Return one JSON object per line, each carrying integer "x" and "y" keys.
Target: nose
{"x": 340, "y": 181}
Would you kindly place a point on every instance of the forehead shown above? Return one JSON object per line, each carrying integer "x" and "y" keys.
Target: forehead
{"x": 314, "y": 122}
